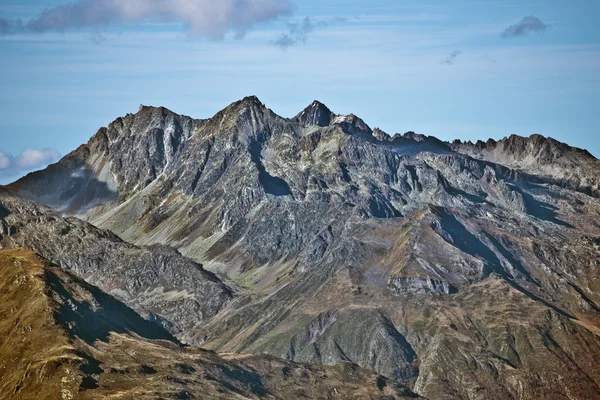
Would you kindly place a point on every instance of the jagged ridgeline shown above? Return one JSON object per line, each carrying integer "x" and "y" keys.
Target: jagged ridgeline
{"x": 464, "y": 271}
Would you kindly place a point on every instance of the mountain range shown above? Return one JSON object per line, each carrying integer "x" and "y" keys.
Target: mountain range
{"x": 409, "y": 265}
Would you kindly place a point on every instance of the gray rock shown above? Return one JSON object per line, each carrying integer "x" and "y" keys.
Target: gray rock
{"x": 156, "y": 280}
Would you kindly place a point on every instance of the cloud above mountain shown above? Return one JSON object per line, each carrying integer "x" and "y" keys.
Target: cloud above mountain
{"x": 528, "y": 24}
{"x": 203, "y": 18}
{"x": 451, "y": 58}
{"x": 298, "y": 32}
{"x": 30, "y": 159}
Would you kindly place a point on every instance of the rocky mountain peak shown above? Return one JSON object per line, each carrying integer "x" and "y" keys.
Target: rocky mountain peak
{"x": 317, "y": 114}
{"x": 539, "y": 155}
{"x": 380, "y": 134}
{"x": 536, "y": 149}
{"x": 414, "y": 136}
{"x": 241, "y": 127}
{"x": 144, "y": 109}
{"x": 148, "y": 116}
{"x": 355, "y": 125}
{"x": 248, "y": 102}
{"x": 417, "y": 142}
{"x": 532, "y": 145}
{"x": 249, "y": 111}
{"x": 252, "y": 101}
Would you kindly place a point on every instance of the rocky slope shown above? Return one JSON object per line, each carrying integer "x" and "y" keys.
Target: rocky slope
{"x": 463, "y": 273}
{"x": 61, "y": 338}
{"x": 155, "y": 280}
{"x": 565, "y": 165}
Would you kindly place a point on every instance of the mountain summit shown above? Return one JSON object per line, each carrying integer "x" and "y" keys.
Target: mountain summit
{"x": 461, "y": 270}
{"x": 316, "y": 114}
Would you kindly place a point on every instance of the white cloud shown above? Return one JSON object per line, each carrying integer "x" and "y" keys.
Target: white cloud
{"x": 34, "y": 158}
{"x": 5, "y": 160}
{"x": 30, "y": 159}
{"x": 211, "y": 19}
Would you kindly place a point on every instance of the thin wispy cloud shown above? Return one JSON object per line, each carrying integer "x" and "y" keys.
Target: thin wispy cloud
{"x": 10, "y": 26}
{"x": 4, "y": 25}
{"x": 297, "y": 33}
{"x": 30, "y": 159}
{"x": 528, "y": 24}
{"x": 202, "y": 18}
{"x": 451, "y": 58}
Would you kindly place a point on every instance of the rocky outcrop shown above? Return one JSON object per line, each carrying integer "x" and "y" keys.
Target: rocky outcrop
{"x": 156, "y": 280}
{"x": 537, "y": 155}
{"x": 316, "y": 114}
{"x": 417, "y": 285}
{"x": 102, "y": 171}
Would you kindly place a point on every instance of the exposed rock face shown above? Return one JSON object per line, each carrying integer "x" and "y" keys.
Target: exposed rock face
{"x": 316, "y": 114}
{"x": 357, "y": 335}
{"x": 150, "y": 139}
{"x": 61, "y": 338}
{"x": 565, "y": 165}
{"x": 455, "y": 268}
{"x": 155, "y": 280}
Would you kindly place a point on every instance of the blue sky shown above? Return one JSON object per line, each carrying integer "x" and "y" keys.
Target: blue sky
{"x": 441, "y": 68}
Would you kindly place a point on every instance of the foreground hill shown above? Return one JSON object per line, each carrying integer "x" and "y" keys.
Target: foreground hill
{"x": 462, "y": 270}
{"x": 61, "y": 338}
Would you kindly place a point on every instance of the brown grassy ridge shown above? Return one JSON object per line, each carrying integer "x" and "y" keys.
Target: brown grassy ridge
{"x": 61, "y": 338}
{"x": 37, "y": 358}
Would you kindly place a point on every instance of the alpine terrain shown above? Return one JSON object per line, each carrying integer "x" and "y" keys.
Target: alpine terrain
{"x": 258, "y": 256}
